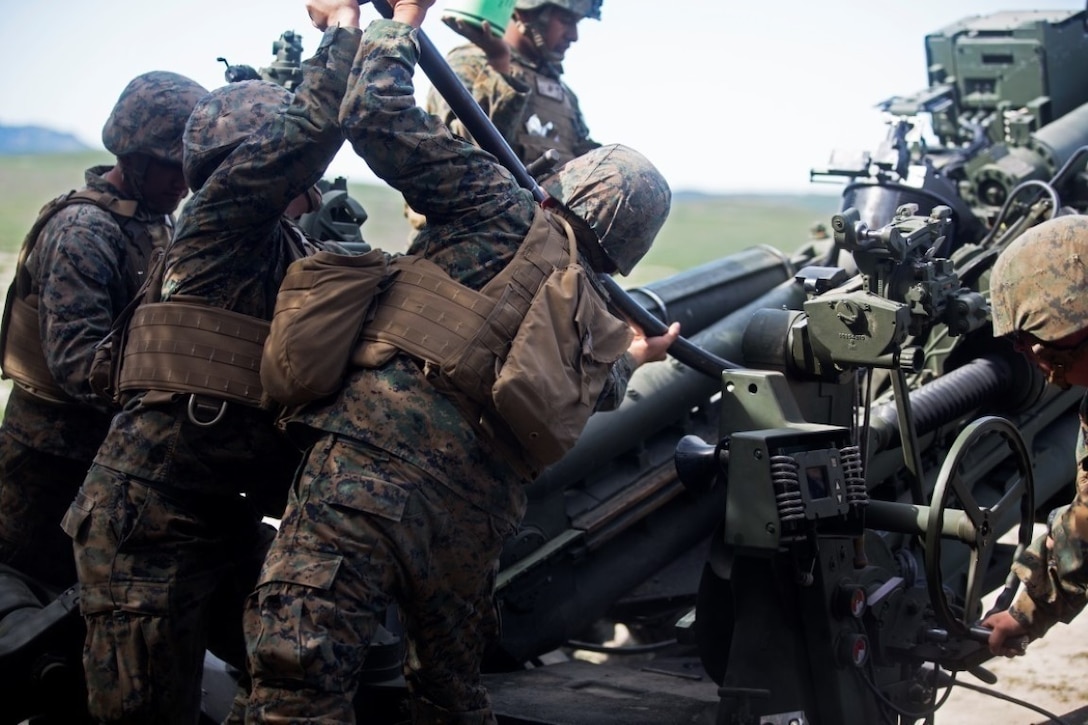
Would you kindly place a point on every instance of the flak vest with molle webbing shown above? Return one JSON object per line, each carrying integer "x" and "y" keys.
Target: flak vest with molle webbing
{"x": 22, "y": 357}
{"x": 188, "y": 347}
{"x": 462, "y": 332}
{"x": 555, "y": 124}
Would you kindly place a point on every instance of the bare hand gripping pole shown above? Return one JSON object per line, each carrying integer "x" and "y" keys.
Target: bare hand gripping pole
{"x": 479, "y": 125}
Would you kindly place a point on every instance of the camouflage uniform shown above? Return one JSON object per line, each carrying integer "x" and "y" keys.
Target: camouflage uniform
{"x": 531, "y": 107}
{"x": 81, "y": 274}
{"x": 402, "y": 499}
{"x": 170, "y": 514}
{"x": 1038, "y": 287}
{"x": 1053, "y": 569}
{"x": 84, "y": 267}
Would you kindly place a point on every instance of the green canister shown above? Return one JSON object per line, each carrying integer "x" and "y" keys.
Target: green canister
{"x": 495, "y": 12}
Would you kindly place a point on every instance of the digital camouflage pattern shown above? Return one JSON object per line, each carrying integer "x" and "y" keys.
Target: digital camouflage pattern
{"x": 1038, "y": 282}
{"x": 84, "y": 269}
{"x": 366, "y": 530}
{"x": 623, "y": 197}
{"x": 151, "y": 543}
{"x": 1053, "y": 568}
{"x": 149, "y": 116}
{"x": 214, "y": 128}
{"x": 1037, "y": 286}
{"x": 395, "y": 452}
{"x": 149, "y": 583}
{"x": 531, "y": 107}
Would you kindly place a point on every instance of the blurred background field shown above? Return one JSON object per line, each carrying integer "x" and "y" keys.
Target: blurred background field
{"x": 699, "y": 229}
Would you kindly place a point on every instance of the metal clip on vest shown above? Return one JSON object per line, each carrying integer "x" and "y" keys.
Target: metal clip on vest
{"x": 196, "y": 406}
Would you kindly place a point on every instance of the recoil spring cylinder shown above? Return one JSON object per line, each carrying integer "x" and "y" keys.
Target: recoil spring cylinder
{"x": 787, "y": 488}
{"x": 853, "y": 470}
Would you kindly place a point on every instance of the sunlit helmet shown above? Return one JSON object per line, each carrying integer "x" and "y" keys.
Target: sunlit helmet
{"x": 223, "y": 119}
{"x": 622, "y": 197}
{"x": 1038, "y": 283}
{"x": 150, "y": 115}
{"x": 583, "y": 8}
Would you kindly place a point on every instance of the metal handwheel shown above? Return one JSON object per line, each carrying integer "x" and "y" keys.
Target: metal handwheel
{"x": 977, "y": 526}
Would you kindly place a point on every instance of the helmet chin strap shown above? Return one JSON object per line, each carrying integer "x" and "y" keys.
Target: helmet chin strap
{"x": 531, "y": 29}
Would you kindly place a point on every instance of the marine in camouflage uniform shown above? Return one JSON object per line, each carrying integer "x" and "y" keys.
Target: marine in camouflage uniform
{"x": 83, "y": 268}
{"x": 528, "y": 102}
{"x": 524, "y": 93}
{"x": 1038, "y": 296}
{"x": 167, "y": 525}
{"x": 402, "y": 499}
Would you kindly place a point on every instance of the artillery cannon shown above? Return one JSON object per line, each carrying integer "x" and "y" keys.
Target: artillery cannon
{"x": 814, "y": 526}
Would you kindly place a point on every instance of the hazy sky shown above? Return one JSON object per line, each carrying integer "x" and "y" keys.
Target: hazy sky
{"x": 723, "y": 95}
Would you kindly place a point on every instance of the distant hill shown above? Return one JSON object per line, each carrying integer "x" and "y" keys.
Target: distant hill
{"x": 20, "y": 140}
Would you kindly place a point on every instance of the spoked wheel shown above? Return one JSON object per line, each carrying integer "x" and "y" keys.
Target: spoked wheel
{"x": 977, "y": 527}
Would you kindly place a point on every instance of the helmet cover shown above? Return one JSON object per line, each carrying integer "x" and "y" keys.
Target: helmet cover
{"x": 1039, "y": 283}
{"x": 621, "y": 196}
{"x": 223, "y": 119}
{"x": 150, "y": 115}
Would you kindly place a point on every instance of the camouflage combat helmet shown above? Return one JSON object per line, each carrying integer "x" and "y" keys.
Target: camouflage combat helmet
{"x": 1038, "y": 283}
{"x": 149, "y": 116}
{"x": 622, "y": 197}
{"x": 223, "y": 119}
{"x": 584, "y": 8}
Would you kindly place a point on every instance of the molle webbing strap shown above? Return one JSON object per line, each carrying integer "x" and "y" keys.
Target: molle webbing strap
{"x": 425, "y": 313}
{"x": 428, "y": 315}
{"x": 183, "y": 347}
{"x": 21, "y": 355}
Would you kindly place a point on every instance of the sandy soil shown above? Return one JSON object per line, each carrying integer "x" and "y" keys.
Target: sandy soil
{"x": 1050, "y": 676}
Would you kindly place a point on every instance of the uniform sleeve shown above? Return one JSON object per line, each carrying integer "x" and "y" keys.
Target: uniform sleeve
{"x": 616, "y": 387}
{"x": 219, "y": 250}
{"x": 503, "y": 97}
{"x": 439, "y": 175}
{"x": 1053, "y": 568}
{"x": 79, "y": 268}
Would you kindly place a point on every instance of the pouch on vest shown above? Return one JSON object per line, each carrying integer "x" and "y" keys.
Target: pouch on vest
{"x": 559, "y": 362}
{"x": 321, "y": 306}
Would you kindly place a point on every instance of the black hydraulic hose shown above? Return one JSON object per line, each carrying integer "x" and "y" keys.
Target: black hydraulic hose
{"x": 466, "y": 108}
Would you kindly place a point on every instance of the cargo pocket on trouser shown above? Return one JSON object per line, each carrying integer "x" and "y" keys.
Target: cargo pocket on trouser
{"x": 130, "y": 673}
{"x": 144, "y": 650}
{"x": 77, "y": 519}
{"x": 303, "y": 650}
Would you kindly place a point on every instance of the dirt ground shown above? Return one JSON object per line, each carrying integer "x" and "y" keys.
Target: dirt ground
{"x": 1050, "y": 676}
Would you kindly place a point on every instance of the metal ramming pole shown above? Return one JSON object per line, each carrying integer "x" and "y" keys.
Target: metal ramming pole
{"x": 466, "y": 108}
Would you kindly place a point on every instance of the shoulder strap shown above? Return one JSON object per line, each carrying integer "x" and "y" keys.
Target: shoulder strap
{"x": 28, "y": 362}
{"x": 120, "y": 207}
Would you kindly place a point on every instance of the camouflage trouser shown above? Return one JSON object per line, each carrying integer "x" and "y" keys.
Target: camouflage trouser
{"x": 35, "y": 491}
{"x": 152, "y": 574}
{"x": 361, "y": 531}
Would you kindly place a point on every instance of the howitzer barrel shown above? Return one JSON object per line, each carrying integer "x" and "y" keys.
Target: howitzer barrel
{"x": 699, "y": 297}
